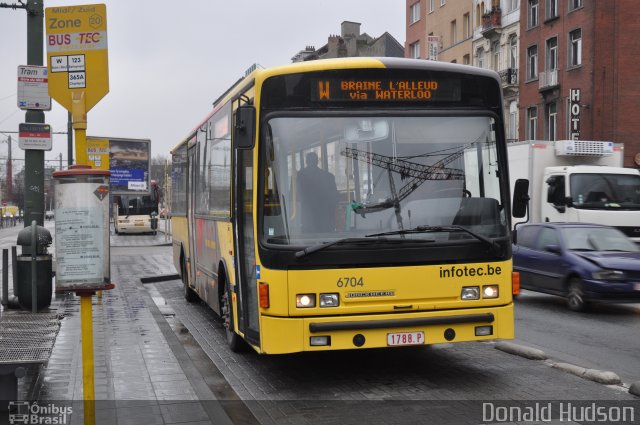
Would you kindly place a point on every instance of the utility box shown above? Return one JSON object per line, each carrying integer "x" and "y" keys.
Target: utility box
{"x": 43, "y": 269}
{"x": 82, "y": 229}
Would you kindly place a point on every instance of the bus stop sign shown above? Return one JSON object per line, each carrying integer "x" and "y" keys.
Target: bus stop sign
{"x": 77, "y": 56}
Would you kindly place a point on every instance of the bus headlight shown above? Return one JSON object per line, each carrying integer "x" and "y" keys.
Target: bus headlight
{"x": 490, "y": 291}
{"x": 470, "y": 293}
{"x": 329, "y": 300}
{"x": 305, "y": 300}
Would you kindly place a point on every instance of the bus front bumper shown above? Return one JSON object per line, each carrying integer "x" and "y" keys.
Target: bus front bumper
{"x": 289, "y": 335}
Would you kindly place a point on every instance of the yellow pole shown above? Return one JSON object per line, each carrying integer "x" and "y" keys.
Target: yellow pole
{"x": 79, "y": 116}
{"x": 86, "y": 324}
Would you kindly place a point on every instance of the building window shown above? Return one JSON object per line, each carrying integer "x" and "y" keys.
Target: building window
{"x": 495, "y": 56}
{"x": 533, "y": 13}
{"x": 575, "y": 4}
{"x": 552, "y": 54}
{"x": 480, "y": 58}
{"x": 466, "y": 59}
{"x": 466, "y": 30}
{"x": 512, "y": 5}
{"x": 431, "y": 7}
{"x": 454, "y": 32}
{"x": 513, "y": 52}
{"x": 478, "y": 16}
{"x": 552, "y": 9}
{"x": 532, "y": 62}
{"x": 512, "y": 132}
{"x": 532, "y": 122}
{"x": 575, "y": 47}
{"x": 414, "y": 50}
{"x": 552, "y": 120}
{"x": 415, "y": 12}
{"x": 443, "y": 2}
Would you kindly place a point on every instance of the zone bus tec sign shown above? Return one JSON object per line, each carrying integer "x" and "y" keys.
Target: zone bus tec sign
{"x": 77, "y": 54}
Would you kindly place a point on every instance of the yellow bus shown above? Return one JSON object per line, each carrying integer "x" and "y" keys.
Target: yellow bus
{"x": 349, "y": 204}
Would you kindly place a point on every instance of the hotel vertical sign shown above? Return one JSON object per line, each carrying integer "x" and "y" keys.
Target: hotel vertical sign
{"x": 574, "y": 114}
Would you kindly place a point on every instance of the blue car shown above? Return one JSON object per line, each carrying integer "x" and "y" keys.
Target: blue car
{"x": 582, "y": 262}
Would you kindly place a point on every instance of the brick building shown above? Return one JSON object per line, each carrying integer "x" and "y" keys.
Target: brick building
{"x": 577, "y": 73}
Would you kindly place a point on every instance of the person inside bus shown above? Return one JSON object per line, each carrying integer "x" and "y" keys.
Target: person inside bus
{"x": 318, "y": 197}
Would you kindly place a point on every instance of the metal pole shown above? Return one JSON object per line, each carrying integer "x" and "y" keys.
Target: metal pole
{"x": 69, "y": 140}
{"x": 5, "y": 278}
{"x": 34, "y": 272}
{"x": 34, "y": 159}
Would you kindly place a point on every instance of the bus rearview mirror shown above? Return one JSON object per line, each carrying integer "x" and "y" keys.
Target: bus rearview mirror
{"x": 244, "y": 128}
{"x": 520, "y": 198}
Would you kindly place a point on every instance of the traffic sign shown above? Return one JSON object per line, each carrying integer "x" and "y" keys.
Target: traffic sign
{"x": 34, "y": 136}
{"x": 77, "y": 54}
{"x": 33, "y": 88}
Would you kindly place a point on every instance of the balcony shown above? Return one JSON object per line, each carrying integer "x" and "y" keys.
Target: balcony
{"x": 492, "y": 24}
{"x": 509, "y": 77}
{"x": 548, "y": 80}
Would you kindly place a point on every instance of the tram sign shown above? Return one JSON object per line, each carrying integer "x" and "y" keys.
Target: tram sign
{"x": 77, "y": 54}
{"x": 33, "y": 88}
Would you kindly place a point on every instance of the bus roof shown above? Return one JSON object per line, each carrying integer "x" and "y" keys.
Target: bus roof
{"x": 262, "y": 74}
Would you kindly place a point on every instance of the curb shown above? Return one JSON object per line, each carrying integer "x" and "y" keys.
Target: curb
{"x": 635, "y": 388}
{"x": 521, "y": 350}
{"x": 600, "y": 376}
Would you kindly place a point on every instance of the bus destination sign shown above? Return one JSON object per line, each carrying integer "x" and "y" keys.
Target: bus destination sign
{"x": 383, "y": 90}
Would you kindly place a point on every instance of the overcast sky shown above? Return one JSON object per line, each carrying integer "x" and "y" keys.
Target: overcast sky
{"x": 169, "y": 60}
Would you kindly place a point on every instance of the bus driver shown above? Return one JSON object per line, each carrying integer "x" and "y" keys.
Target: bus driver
{"x": 318, "y": 197}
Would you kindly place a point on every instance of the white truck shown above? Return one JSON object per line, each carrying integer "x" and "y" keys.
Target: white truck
{"x": 578, "y": 181}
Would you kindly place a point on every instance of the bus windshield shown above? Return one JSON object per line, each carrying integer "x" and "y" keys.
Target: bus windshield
{"x": 327, "y": 178}
{"x": 137, "y": 205}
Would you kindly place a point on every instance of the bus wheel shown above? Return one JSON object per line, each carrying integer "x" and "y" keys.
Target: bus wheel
{"x": 189, "y": 294}
{"x": 233, "y": 339}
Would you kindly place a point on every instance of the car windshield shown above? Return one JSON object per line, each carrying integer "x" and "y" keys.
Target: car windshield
{"x": 597, "y": 239}
{"x": 606, "y": 191}
{"x": 327, "y": 178}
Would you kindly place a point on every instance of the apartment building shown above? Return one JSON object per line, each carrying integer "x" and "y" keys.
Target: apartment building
{"x": 482, "y": 33}
{"x": 439, "y": 30}
{"x": 351, "y": 42}
{"x": 578, "y": 80}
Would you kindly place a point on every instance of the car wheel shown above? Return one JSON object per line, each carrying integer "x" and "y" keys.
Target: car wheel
{"x": 575, "y": 296}
{"x": 234, "y": 341}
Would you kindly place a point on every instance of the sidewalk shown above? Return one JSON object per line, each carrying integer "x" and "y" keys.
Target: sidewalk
{"x": 143, "y": 374}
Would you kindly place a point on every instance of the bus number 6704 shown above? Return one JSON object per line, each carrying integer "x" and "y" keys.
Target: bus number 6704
{"x": 345, "y": 282}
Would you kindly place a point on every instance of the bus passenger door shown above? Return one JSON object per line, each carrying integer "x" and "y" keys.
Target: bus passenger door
{"x": 191, "y": 207}
{"x": 245, "y": 258}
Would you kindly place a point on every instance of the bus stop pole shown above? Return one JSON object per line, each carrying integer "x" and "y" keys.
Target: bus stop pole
{"x": 86, "y": 324}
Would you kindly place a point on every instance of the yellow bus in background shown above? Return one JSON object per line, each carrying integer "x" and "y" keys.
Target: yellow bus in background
{"x": 349, "y": 203}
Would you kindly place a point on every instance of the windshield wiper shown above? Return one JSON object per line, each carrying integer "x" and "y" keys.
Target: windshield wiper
{"x": 495, "y": 247}
{"x": 367, "y": 239}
